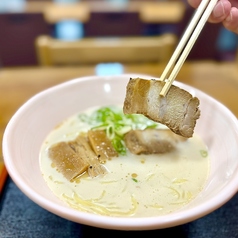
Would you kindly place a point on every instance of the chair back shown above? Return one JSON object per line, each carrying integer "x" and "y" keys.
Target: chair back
{"x": 54, "y": 12}
{"x": 51, "y": 51}
{"x": 162, "y": 12}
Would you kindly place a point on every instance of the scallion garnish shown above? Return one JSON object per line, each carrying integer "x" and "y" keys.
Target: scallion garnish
{"x": 116, "y": 124}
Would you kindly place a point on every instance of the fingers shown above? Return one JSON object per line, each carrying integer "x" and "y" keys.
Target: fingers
{"x": 223, "y": 12}
{"x": 231, "y": 21}
{"x": 194, "y": 3}
{"x": 220, "y": 12}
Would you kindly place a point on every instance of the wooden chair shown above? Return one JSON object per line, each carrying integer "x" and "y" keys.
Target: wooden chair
{"x": 54, "y": 13}
{"x": 100, "y": 50}
{"x": 18, "y": 32}
{"x": 162, "y": 12}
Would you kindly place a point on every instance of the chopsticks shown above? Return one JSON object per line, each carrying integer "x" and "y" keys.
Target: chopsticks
{"x": 186, "y": 43}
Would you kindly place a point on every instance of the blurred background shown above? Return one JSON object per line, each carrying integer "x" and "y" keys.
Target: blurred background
{"x": 22, "y": 21}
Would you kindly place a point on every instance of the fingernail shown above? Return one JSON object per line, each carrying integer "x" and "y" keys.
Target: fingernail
{"x": 229, "y": 18}
{"x": 218, "y": 10}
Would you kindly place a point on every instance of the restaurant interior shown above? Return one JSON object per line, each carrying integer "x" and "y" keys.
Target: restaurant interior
{"x": 47, "y": 42}
{"x": 22, "y": 21}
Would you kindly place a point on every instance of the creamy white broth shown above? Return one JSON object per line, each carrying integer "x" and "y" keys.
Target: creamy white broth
{"x": 135, "y": 185}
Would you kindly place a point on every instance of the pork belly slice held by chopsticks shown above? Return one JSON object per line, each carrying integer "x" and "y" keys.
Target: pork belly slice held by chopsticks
{"x": 178, "y": 110}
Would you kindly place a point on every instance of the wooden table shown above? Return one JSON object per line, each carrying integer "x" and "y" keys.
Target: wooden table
{"x": 220, "y": 80}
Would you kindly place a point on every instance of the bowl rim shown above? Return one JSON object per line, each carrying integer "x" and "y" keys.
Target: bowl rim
{"x": 117, "y": 223}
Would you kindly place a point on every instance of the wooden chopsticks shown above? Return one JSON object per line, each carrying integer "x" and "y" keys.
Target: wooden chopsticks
{"x": 186, "y": 43}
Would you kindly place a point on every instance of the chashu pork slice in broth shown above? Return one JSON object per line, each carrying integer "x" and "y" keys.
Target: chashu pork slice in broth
{"x": 75, "y": 157}
{"x": 84, "y": 148}
{"x": 152, "y": 141}
{"x": 101, "y": 145}
{"x": 67, "y": 160}
{"x": 178, "y": 110}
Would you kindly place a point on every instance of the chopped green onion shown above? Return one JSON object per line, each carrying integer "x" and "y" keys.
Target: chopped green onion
{"x": 204, "y": 153}
{"x": 116, "y": 124}
{"x": 135, "y": 180}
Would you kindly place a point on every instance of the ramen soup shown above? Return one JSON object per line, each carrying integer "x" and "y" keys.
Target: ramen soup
{"x": 133, "y": 185}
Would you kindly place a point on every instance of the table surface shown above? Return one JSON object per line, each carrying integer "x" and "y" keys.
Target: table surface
{"x": 20, "y": 217}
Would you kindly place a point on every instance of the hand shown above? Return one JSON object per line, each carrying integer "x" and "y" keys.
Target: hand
{"x": 225, "y": 11}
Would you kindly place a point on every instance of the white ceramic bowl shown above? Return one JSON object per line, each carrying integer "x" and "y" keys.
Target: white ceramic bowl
{"x": 27, "y": 129}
